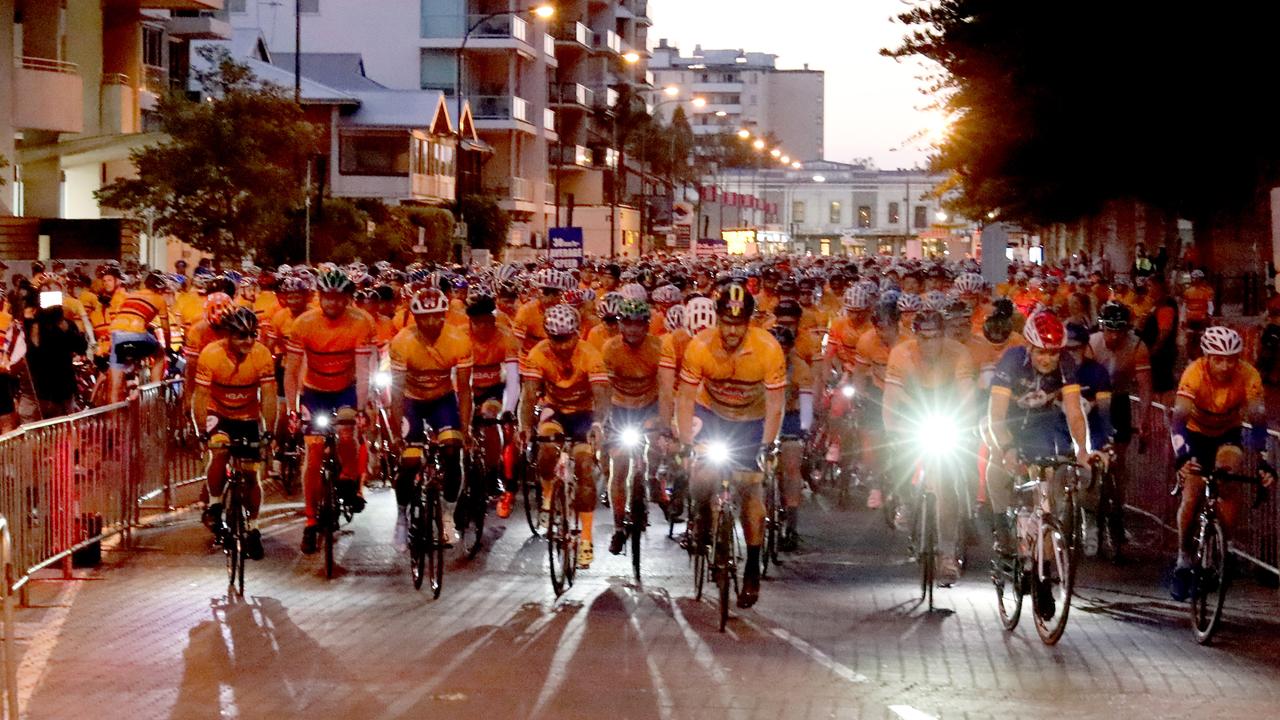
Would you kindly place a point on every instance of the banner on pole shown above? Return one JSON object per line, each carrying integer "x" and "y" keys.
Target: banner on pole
{"x": 565, "y": 247}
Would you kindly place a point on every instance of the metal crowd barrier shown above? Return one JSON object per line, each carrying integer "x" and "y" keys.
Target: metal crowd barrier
{"x": 9, "y": 708}
{"x": 69, "y": 483}
{"x": 1256, "y": 537}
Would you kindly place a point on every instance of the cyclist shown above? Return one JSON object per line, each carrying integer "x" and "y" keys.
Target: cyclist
{"x": 1034, "y": 388}
{"x": 868, "y": 381}
{"x": 131, "y": 325}
{"x": 567, "y": 378}
{"x": 631, "y": 360}
{"x": 1197, "y": 307}
{"x": 607, "y": 311}
{"x": 733, "y": 382}
{"x": 931, "y": 374}
{"x": 495, "y": 382}
{"x": 699, "y": 315}
{"x": 796, "y": 421}
{"x": 1129, "y": 366}
{"x": 235, "y": 392}
{"x": 1095, "y": 393}
{"x": 1217, "y": 395}
{"x": 425, "y": 357}
{"x": 327, "y": 372}
{"x": 528, "y": 323}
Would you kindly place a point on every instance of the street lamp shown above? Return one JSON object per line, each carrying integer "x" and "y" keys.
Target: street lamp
{"x": 744, "y": 133}
{"x": 699, "y": 102}
{"x": 775, "y": 153}
{"x": 671, "y": 90}
{"x": 631, "y": 57}
{"x": 940, "y": 216}
{"x": 785, "y": 160}
{"x": 758, "y": 144}
{"x": 796, "y": 165}
{"x": 544, "y": 11}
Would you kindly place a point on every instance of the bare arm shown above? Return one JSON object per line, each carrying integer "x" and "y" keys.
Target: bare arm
{"x": 292, "y": 376}
{"x": 200, "y": 407}
{"x": 997, "y": 412}
{"x": 269, "y": 404}
{"x": 528, "y": 396}
{"x": 1076, "y": 421}
{"x": 395, "y": 413}
{"x": 466, "y": 405}
{"x": 774, "y": 401}
{"x": 666, "y": 395}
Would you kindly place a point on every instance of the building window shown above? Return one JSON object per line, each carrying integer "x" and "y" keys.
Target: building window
{"x": 894, "y": 216}
{"x": 152, "y": 46}
{"x": 834, "y": 215}
{"x": 922, "y": 217}
{"x": 236, "y": 6}
{"x": 864, "y": 216}
{"x": 309, "y": 6}
{"x": 797, "y": 211}
{"x": 386, "y": 155}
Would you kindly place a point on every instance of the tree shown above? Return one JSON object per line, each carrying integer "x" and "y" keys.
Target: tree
{"x": 437, "y": 229}
{"x": 487, "y": 223}
{"x": 1058, "y": 107}
{"x": 229, "y": 174}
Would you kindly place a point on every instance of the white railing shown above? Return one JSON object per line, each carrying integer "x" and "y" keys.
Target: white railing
{"x": 520, "y": 109}
{"x": 521, "y": 189}
{"x": 549, "y": 118}
{"x": 47, "y": 65}
{"x": 502, "y": 26}
{"x": 548, "y": 45}
{"x": 609, "y": 40}
{"x": 500, "y": 107}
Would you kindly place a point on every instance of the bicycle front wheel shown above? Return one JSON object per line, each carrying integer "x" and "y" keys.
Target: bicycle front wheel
{"x": 329, "y": 520}
{"x": 772, "y": 523}
{"x": 1008, "y": 581}
{"x": 232, "y": 545}
{"x": 436, "y": 542}
{"x": 419, "y": 539}
{"x": 927, "y": 550}
{"x": 1210, "y": 591}
{"x": 723, "y": 564}
{"x": 531, "y": 494}
{"x": 558, "y": 540}
{"x": 1051, "y": 581}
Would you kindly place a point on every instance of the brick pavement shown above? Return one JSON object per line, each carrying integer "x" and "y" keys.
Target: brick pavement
{"x": 837, "y": 635}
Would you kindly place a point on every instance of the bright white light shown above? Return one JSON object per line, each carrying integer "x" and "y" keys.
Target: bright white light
{"x": 632, "y": 57}
{"x": 630, "y": 437}
{"x": 382, "y": 379}
{"x": 847, "y": 391}
{"x": 937, "y": 435}
{"x": 322, "y": 421}
{"x": 699, "y": 102}
{"x": 744, "y": 133}
{"x": 941, "y": 216}
{"x": 721, "y": 113}
{"x": 758, "y": 144}
{"x": 671, "y": 90}
{"x": 819, "y": 178}
{"x": 718, "y": 453}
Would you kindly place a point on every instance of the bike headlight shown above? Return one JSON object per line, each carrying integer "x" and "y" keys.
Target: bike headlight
{"x": 322, "y": 421}
{"x": 382, "y": 379}
{"x": 718, "y": 452}
{"x": 938, "y": 435}
{"x": 630, "y": 437}
{"x": 847, "y": 391}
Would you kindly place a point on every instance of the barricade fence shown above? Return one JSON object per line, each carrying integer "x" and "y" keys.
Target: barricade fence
{"x": 1151, "y": 477}
{"x": 69, "y": 483}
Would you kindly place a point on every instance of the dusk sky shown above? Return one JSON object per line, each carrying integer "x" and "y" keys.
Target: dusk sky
{"x": 873, "y": 103}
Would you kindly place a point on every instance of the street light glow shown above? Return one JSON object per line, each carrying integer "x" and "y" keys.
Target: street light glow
{"x": 786, "y": 160}
{"x": 775, "y": 152}
{"x": 632, "y": 57}
{"x": 744, "y": 133}
{"x": 941, "y": 216}
{"x": 671, "y": 90}
{"x": 819, "y": 179}
{"x": 544, "y": 11}
{"x": 796, "y": 165}
{"x": 721, "y": 113}
{"x": 699, "y": 102}
{"x": 758, "y": 144}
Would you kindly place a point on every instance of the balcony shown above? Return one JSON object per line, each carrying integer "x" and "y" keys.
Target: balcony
{"x": 604, "y": 157}
{"x": 198, "y": 27}
{"x": 548, "y": 45}
{"x": 50, "y": 96}
{"x": 608, "y": 41}
{"x": 576, "y": 34}
{"x": 572, "y": 94}
{"x": 503, "y": 26}
{"x": 549, "y": 119}
{"x": 501, "y": 112}
{"x": 520, "y": 189}
{"x": 570, "y": 155}
{"x": 607, "y": 99}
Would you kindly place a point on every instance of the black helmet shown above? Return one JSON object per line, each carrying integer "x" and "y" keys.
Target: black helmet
{"x": 155, "y": 281}
{"x": 241, "y": 321}
{"x": 997, "y": 327}
{"x": 735, "y": 301}
{"x": 785, "y": 336}
{"x": 788, "y": 307}
{"x": 1002, "y": 307}
{"x": 927, "y": 320}
{"x": 886, "y": 313}
{"x": 1115, "y": 316}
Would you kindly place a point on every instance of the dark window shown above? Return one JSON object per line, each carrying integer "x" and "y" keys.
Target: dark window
{"x": 864, "y": 216}
{"x": 894, "y": 216}
{"x": 374, "y": 155}
{"x": 797, "y": 211}
{"x": 309, "y": 6}
{"x": 236, "y": 6}
{"x": 152, "y": 46}
{"x": 922, "y": 217}
{"x": 833, "y": 216}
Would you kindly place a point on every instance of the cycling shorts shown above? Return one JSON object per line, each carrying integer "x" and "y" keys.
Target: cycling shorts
{"x": 1122, "y": 417}
{"x": 641, "y": 418}
{"x": 576, "y": 426}
{"x": 1043, "y": 440}
{"x": 319, "y": 402}
{"x": 1204, "y": 448}
{"x": 742, "y": 436}
{"x": 480, "y": 396}
{"x": 119, "y": 337}
{"x": 440, "y": 416}
{"x": 791, "y": 425}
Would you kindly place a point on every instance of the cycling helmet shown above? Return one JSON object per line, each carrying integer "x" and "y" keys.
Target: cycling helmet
{"x": 478, "y": 291}
{"x": 291, "y": 284}
{"x": 608, "y": 307}
{"x": 735, "y": 301}
{"x": 248, "y": 281}
{"x": 429, "y": 301}
{"x": 546, "y": 279}
{"x": 633, "y": 291}
{"x": 1045, "y": 330}
{"x": 1219, "y": 340}
{"x": 580, "y": 296}
{"x": 674, "y": 318}
{"x": 335, "y": 281}
{"x": 910, "y": 303}
{"x": 859, "y": 297}
{"x": 886, "y": 313}
{"x": 155, "y": 280}
{"x": 666, "y": 295}
{"x": 241, "y": 321}
{"x": 785, "y": 336}
{"x": 1077, "y": 335}
{"x": 1002, "y": 307}
{"x": 561, "y": 320}
{"x": 928, "y": 320}
{"x": 700, "y": 314}
{"x": 1115, "y": 316}
{"x": 969, "y": 283}
{"x": 788, "y": 286}
{"x": 633, "y": 310}
{"x": 478, "y": 305}
{"x": 216, "y": 308}
{"x": 935, "y": 300}
{"x": 508, "y": 272}
{"x": 997, "y": 328}
{"x": 565, "y": 281}
{"x": 957, "y": 309}
{"x": 1197, "y": 275}
{"x": 788, "y": 307}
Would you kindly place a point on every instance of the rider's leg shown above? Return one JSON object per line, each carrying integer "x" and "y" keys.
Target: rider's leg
{"x": 312, "y": 484}
{"x": 703, "y": 482}
{"x": 751, "y": 490}
{"x": 792, "y": 484}
{"x": 1229, "y": 458}
{"x": 1000, "y": 495}
{"x": 585, "y": 502}
{"x": 619, "y": 467}
{"x": 215, "y": 480}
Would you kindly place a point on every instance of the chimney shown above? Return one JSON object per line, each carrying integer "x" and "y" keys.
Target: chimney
{"x": 662, "y": 43}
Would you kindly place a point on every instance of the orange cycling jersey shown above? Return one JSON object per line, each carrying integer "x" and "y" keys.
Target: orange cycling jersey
{"x": 331, "y": 347}
{"x": 527, "y": 326}
{"x": 198, "y": 337}
{"x": 281, "y": 325}
{"x": 799, "y": 381}
{"x": 734, "y": 383}
{"x": 909, "y": 369}
{"x": 814, "y": 323}
{"x": 487, "y": 358}
{"x": 566, "y": 387}
{"x": 1195, "y": 300}
{"x": 138, "y": 310}
{"x": 633, "y": 371}
{"x": 601, "y": 334}
{"x": 1217, "y": 409}
{"x": 673, "y": 347}
{"x": 427, "y": 366}
{"x": 873, "y": 353}
{"x": 842, "y": 341}
{"x": 234, "y": 387}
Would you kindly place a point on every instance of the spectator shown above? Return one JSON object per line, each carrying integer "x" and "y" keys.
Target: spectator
{"x": 52, "y": 343}
{"x": 1160, "y": 333}
{"x": 1143, "y": 267}
{"x": 1269, "y": 348}
{"x": 12, "y": 349}
{"x": 180, "y": 269}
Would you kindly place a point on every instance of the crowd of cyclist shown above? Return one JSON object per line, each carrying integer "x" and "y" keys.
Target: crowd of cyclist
{"x": 809, "y": 360}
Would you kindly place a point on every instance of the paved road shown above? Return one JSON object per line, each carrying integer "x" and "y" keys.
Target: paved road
{"x": 838, "y": 635}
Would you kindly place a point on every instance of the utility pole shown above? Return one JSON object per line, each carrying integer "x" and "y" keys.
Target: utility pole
{"x": 297, "y": 51}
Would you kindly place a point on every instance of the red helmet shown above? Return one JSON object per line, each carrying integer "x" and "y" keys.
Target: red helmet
{"x": 1045, "y": 330}
{"x": 216, "y": 308}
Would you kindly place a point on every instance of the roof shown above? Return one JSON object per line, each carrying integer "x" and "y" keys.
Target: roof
{"x": 342, "y": 71}
{"x": 313, "y": 92}
{"x": 398, "y": 108}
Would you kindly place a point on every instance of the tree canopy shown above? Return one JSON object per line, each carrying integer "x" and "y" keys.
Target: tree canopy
{"x": 1057, "y": 107}
{"x": 228, "y": 177}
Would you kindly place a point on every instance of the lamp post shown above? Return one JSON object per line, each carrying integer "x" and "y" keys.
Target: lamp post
{"x": 672, "y": 92}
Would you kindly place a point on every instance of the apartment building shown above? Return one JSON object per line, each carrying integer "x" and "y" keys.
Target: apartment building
{"x": 748, "y": 90}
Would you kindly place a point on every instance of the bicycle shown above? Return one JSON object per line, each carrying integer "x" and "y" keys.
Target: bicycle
{"x": 725, "y": 553}
{"x": 380, "y": 439}
{"x": 425, "y": 519}
{"x": 473, "y": 501}
{"x": 1210, "y": 567}
{"x": 563, "y": 529}
{"x": 773, "y": 519}
{"x": 525, "y": 475}
{"x": 334, "y": 509}
{"x": 289, "y": 451}
{"x": 245, "y": 457}
{"x": 1044, "y": 561}
{"x": 635, "y": 514}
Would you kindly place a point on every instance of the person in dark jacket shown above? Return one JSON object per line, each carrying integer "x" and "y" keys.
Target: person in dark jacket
{"x": 52, "y": 344}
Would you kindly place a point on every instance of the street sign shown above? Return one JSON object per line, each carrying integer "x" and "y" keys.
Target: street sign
{"x": 565, "y": 245}
{"x": 710, "y": 247}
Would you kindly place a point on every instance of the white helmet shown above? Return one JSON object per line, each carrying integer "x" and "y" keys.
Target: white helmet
{"x": 699, "y": 314}
{"x": 561, "y": 320}
{"x": 858, "y": 297}
{"x": 666, "y": 294}
{"x": 547, "y": 279}
{"x": 565, "y": 280}
{"x": 429, "y": 301}
{"x": 910, "y": 303}
{"x": 633, "y": 291}
{"x": 674, "y": 319}
{"x": 609, "y": 305}
{"x": 935, "y": 300}
{"x": 969, "y": 283}
{"x": 508, "y": 272}
{"x": 1219, "y": 340}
